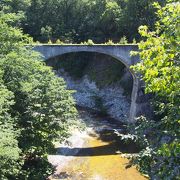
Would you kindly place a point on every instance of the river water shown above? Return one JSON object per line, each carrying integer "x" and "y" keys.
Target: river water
{"x": 94, "y": 153}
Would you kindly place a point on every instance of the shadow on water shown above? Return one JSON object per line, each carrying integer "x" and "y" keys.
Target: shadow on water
{"x": 113, "y": 144}
{"x": 90, "y": 151}
{"x": 112, "y": 148}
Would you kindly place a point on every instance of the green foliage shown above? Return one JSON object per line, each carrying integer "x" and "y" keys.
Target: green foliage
{"x": 110, "y": 42}
{"x": 49, "y": 42}
{"x": 169, "y": 160}
{"x": 123, "y": 40}
{"x": 46, "y": 33}
{"x": 15, "y": 5}
{"x": 110, "y": 19}
{"x": 9, "y": 150}
{"x": 10, "y": 160}
{"x": 38, "y": 95}
{"x": 12, "y": 38}
{"x": 58, "y": 41}
{"x": 90, "y": 42}
{"x": 134, "y": 41}
{"x": 160, "y": 70}
{"x": 42, "y": 105}
{"x": 35, "y": 107}
{"x": 37, "y": 168}
{"x": 75, "y": 21}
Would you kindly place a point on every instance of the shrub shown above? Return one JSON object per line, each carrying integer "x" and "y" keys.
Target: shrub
{"x": 134, "y": 41}
{"x": 110, "y": 42}
{"x": 9, "y": 151}
{"x": 90, "y": 42}
{"x": 59, "y": 41}
{"x": 160, "y": 70}
{"x": 49, "y": 42}
{"x": 123, "y": 40}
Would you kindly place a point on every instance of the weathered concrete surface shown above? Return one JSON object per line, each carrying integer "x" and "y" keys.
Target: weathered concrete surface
{"x": 119, "y": 52}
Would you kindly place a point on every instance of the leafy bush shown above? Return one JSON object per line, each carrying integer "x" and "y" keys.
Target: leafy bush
{"x": 49, "y": 42}
{"x": 35, "y": 107}
{"x": 10, "y": 161}
{"x": 160, "y": 70}
{"x": 90, "y": 42}
{"x": 123, "y": 40}
{"x": 46, "y": 33}
{"x": 134, "y": 41}
{"x": 110, "y": 42}
{"x": 59, "y": 41}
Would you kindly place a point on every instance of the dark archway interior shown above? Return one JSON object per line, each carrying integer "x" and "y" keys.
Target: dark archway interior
{"x": 100, "y": 68}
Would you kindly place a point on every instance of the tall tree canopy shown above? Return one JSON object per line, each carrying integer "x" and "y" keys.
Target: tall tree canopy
{"x": 35, "y": 107}
{"x": 80, "y": 20}
{"x": 160, "y": 70}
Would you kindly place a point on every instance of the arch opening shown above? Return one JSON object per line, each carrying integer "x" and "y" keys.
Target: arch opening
{"x": 103, "y": 69}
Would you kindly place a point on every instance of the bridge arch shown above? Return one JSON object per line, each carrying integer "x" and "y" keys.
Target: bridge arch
{"x": 120, "y": 53}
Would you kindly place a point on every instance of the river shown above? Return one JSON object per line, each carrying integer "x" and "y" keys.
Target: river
{"x": 94, "y": 153}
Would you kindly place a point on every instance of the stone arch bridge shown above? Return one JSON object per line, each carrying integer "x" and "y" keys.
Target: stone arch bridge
{"x": 119, "y": 52}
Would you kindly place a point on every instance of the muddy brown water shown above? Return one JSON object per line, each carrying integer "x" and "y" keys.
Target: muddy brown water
{"x": 100, "y": 155}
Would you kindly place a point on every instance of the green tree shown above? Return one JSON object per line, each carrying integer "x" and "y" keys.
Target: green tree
{"x": 80, "y": 20}
{"x": 136, "y": 13}
{"x": 9, "y": 150}
{"x": 37, "y": 103}
{"x": 160, "y": 69}
{"x": 15, "y": 6}
{"x": 10, "y": 159}
{"x": 111, "y": 20}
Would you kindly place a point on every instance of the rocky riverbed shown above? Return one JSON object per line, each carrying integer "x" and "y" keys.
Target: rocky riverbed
{"x": 108, "y": 100}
